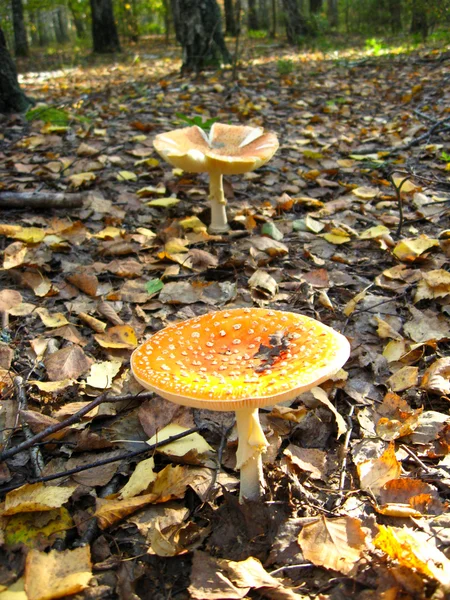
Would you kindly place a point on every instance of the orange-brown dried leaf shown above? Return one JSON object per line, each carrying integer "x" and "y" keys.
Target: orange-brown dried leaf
{"x": 374, "y": 473}
{"x": 336, "y": 544}
{"x": 68, "y": 363}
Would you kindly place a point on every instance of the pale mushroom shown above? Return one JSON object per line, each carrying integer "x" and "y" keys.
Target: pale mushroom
{"x": 225, "y": 150}
{"x": 240, "y": 359}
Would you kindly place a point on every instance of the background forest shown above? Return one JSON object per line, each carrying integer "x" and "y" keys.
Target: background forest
{"x": 49, "y": 25}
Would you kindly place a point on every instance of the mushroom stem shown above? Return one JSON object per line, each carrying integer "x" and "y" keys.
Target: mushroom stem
{"x": 219, "y": 223}
{"x": 251, "y": 444}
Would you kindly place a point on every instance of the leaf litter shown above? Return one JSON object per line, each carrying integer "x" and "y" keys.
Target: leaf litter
{"x": 358, "y": 470}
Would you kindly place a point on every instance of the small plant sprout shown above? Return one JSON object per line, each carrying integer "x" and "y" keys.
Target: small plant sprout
{"x": 225, "y": 150}
{"x": 240, "y": 360}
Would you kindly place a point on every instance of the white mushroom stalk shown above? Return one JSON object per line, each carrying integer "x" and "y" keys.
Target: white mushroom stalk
{"x": 240, "y": 360}
{"x": 225, "y": 150}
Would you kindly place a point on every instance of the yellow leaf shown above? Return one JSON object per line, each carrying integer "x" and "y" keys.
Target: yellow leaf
{"x": 109, "y": 233}
{"x": 193, "y": 223}
{"x": 410, "y": 249}
{"x": 79, "y": 179}
{"x": 163, "y": 202}
{"x": 120, "y": 336}
{"x": 102, "y": 374}
{"x": 16, "y": 591}
{"x": 34, "y": 531}
{"x": 337, "y": 236}
{"x": 375, "y": 232}
{"x": 141, "y": 478}
{"x": 191, "y": 443}
{"x": 403, "y": 379}
{"x": 126, "y": 176}
{"x": 365, "y": 193}
{"x": 414, "y": 550}
{"x": 57, "y": 574}
{"x": 150, "y": 190}
{"x": 51, "y": 320}
{"x": 351, "y": 304}
{"x": 35, "y": 497}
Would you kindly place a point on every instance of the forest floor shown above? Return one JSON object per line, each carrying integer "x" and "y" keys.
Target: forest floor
{"x": 348, "y": 223}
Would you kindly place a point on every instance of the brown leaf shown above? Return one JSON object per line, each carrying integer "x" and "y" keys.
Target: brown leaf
{"x": 68, "y": 363}
{"x": 374, "y": 473}
{"x": 336, "y": 544}
{"x": 437, "y": 377}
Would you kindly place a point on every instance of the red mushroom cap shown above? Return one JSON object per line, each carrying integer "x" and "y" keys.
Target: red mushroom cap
{"x": 239, "y": 358}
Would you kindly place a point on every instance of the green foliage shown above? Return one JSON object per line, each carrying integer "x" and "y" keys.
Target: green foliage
{"x": 445, "y": 156}
{"x": 257, "y": 34}
{"x": 154, "y": 286}
{"x": 285, "y": 66}
{"x": 48, "y": 114}
{"x": 197, "y": 120}
{"x": 374, "y": 46}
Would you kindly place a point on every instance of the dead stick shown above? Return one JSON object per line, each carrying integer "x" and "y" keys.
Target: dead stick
{"x": 106, "y": 461}
{"x": 40, "y": 200}
{"x": 70, "y": 421}
{"x": 37, "y": 461}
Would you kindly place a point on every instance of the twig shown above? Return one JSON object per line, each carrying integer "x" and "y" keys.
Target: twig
{"x": 105, "y": 461}
{"x": 415, "y": 458}
{"x": 344, "y": 450}
{"x": 40, "y": 200}
{"x": 70, "y": 421}
{"x": 398, "y": 189}
{"x": 37, "y": 461}
{"x": 218, "y": 467}
{"x": 290, "y": 568}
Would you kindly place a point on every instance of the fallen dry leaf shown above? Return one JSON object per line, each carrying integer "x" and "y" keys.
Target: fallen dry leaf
{"x": 337, "y": 544}
{"x": 57, "y": 574}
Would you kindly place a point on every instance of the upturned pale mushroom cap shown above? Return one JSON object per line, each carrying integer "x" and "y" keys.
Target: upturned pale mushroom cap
{"x": 229, "y": 359}
{"x": 226, "y": 149}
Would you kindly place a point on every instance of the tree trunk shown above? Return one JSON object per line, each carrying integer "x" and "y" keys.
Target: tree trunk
{"x": 333, "y": 14}
{"x": 77, "y": 17}
{"x": 315, "y": 6}
{"x": 273, "y": 22}
{"x": 104, "y": 31}
{"x": 252, "y": 20}
{"x": 230, "y": 21}
{"x": 12, "y": 99}
{"x": 60, "y": 25}
{"x": 198, "y": 27}
{"x": 419, "y": 21}
{"x": 20, "y": 32}
{"x": 295, "y": 23}
{"x": 395, "y": 11}
{"x": 263, "y": 14}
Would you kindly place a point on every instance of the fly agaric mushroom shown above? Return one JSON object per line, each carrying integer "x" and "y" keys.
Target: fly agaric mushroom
{"x": 225, "y": 150}
{"x": 240, "y": 359}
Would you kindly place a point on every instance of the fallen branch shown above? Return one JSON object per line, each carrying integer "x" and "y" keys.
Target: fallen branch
{"x": 70, "y": 421}
{"x": 40, "y": 200}
{"x": 105, "y": 461}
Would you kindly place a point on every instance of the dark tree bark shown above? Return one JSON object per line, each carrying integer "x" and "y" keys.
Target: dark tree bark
{"x": 198, "y": 27}
{"x": 295, "y": 23}
{"x": 333, "y": 14}
{"x": 395, "y": 12}
{"x": 273, "y": 21}
{"x": 419, "y": 20}
{"x": 77, "y": 19}
{"x": 315, "y": 6}
{"x": 12, "y": 99}
{"x": 252, "y": 19}
{"x": 20, "y": 32}
{"x": 230, "y": 20}
{"x": 104, "y": 31}
{"x": 60, "y": 25}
